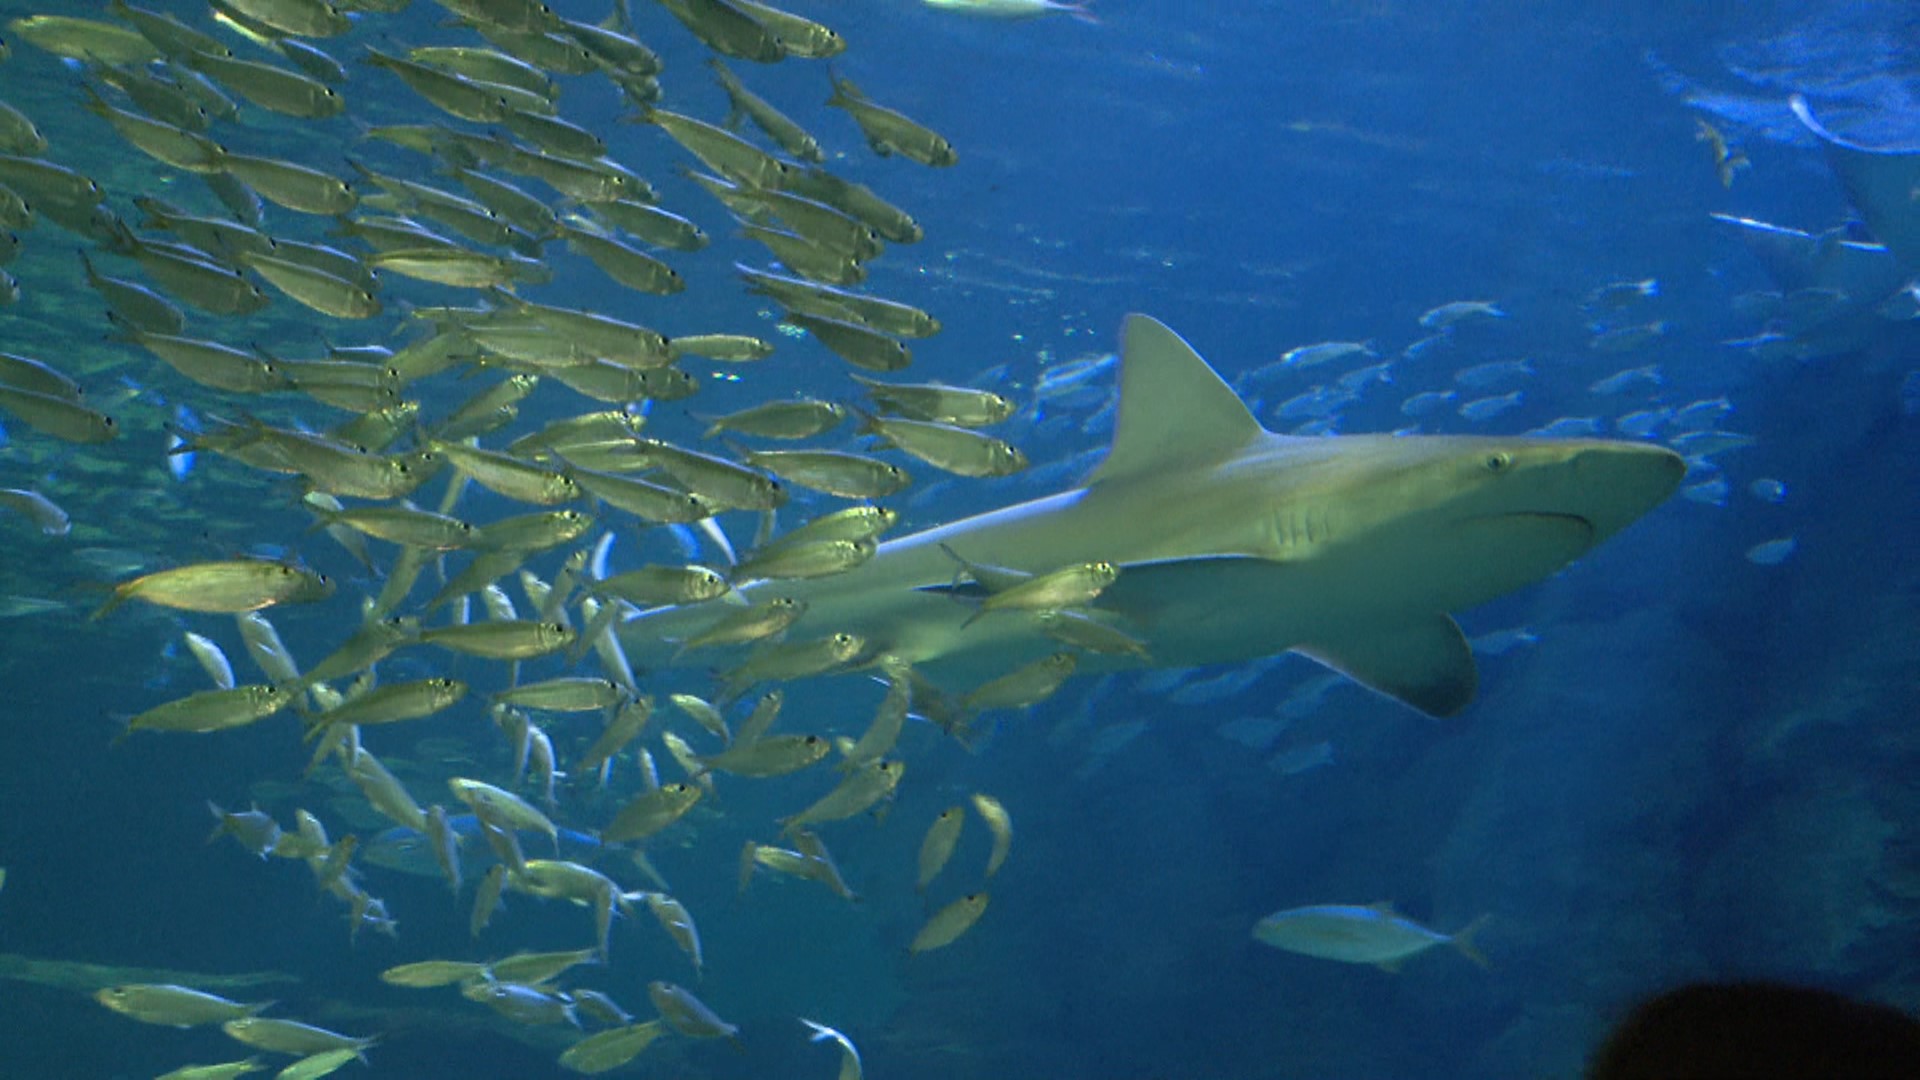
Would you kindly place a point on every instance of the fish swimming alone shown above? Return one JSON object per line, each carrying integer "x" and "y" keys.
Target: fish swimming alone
{"x": 1233, "y": 542}
{"x": 1374, "y": 934}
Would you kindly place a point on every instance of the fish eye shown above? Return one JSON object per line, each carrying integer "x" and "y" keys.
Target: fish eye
{"x": 1499, "y": 461}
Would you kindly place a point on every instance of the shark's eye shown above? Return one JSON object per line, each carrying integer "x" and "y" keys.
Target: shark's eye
{"x": 1499, "y": 461}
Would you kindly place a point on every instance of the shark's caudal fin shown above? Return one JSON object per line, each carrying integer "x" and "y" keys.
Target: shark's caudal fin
{"x": 1880, "y": 184}
{"x": 1174, "y": 411}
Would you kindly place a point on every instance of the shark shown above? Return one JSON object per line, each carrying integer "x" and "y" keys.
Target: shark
{"x": 1233, "y": 542}
{"x": 1882, "y": 183}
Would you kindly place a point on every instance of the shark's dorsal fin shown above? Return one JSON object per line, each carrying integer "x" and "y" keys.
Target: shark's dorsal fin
{"x": 1174, "y": 410}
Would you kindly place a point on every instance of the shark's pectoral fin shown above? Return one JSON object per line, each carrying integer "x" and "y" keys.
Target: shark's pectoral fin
{"x": 1424, "y": 663}
{"x": 1880, "y": 183}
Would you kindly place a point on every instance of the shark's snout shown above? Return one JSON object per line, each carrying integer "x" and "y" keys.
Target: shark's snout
{"x": 1614, "y": 484}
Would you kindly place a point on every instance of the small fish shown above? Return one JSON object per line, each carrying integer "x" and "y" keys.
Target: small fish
{"x": 938, "y": 845}
{"x": 290, "y": 1037}
{"x": 1726, "y": 160}
{"x": 747, "y": 625}
{"x": 728, "y": 29}
{"x": 1620, "y": 339}
{"x": 1619, "y": 381}
{"x": 523, "y": 1004}
{"x": 37, "y": 508}
{"x": 850, "y": 1068}
{"x": 1483, "y": 376}
{"x": 58, "y": 417}
{"x": 224, "y": 1071}
{"x": 790, "y": 136}
{"x": 600, "y": 1008}
{"x": 1707, "y": 492}
{"x": 863, "y": 787}
{"x": 945, "y": 926}
{"x": 677, "y": 921}
{"x": 798, "y": 36}
{"x": 1642, "y": 424}
{"x": 429, "y": 974}
{"x": 1067, "y": 587}
{"x": 390, "y": 704}
{"x": 1501, "y": 642}
{"x": 773, "y": 755}
{"x": 859, "y": 345}
{"x": 804, "y": 559}
{"x": 1026, "y": 685}
{"x": 949, "y": 448}
{"x": 1430, "y": 401}
{"x": 1571, "y": 427}
{"x": 1017, "y": 9}
{"x": 1487, "y": 408}
{"x": 1703, "y": 444}
{"x": 999, "y": 823}
{"x": 888, "y": 131}
{"x": 502, "y": 809}
{"x": 314, "y": 1066}
{"x": 229, "y": 587}
{"x": 939, "y": 403}
{"x": 1326, "y": 352}
{"x": 800, "y": 419}
{"x": 1701, "y": 415}
{"x": 608, "y": 1050}
{"x": 687, "y": 1014}
{"x": 1768, "y": 490}
{"x": 726, "y": 348}
{"x": 656, "y": 586}
{"x": 84, "y": 39}
{"x": 832, "y": 472}
{"x": 275, "y": 89}
{"x": 1771, "y": 552}
{"x": 651, "y": 812}
{"x": 174, "y": 1006}
{"x": 1620, "y": 294}
{"x": 1447, "y": 316}
{"x": 1360, "y": 935}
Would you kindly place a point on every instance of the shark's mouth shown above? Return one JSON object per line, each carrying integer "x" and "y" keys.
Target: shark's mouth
{"x": 1553, "y": 535}
{"x": 1495, "y": 553}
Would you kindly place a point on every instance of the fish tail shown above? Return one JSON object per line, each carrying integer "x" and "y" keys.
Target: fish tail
{"x": 1463, "y": 941}
{"x": 108, "y": 606}
{"x": 1082, "y": 11}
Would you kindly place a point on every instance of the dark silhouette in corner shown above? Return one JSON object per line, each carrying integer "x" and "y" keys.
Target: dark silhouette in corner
{"x": 1759, "y": 1031}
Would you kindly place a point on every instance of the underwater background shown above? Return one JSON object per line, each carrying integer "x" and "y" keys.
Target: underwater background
{"x": 1693, "y": 755}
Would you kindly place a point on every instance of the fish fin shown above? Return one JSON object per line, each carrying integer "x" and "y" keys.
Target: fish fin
{"x": 1463, "y": 941}
{"x": 1391, "y": 967}
{"x": 1174, "y": 409}
{"x": 1425, "y": 663}
{"x": 1879, "y": 183}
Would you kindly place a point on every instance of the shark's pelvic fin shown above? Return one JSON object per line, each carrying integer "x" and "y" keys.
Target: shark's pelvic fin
{"x": 1425, "y": 663}
{"x": 1880, "y": 184}
{"x": 1174, "y": 411}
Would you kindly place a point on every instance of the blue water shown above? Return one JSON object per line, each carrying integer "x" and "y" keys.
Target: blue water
{"x": 1694, "y": 761}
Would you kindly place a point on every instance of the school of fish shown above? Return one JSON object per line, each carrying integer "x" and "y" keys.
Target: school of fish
{"x": 431, "y": 204}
